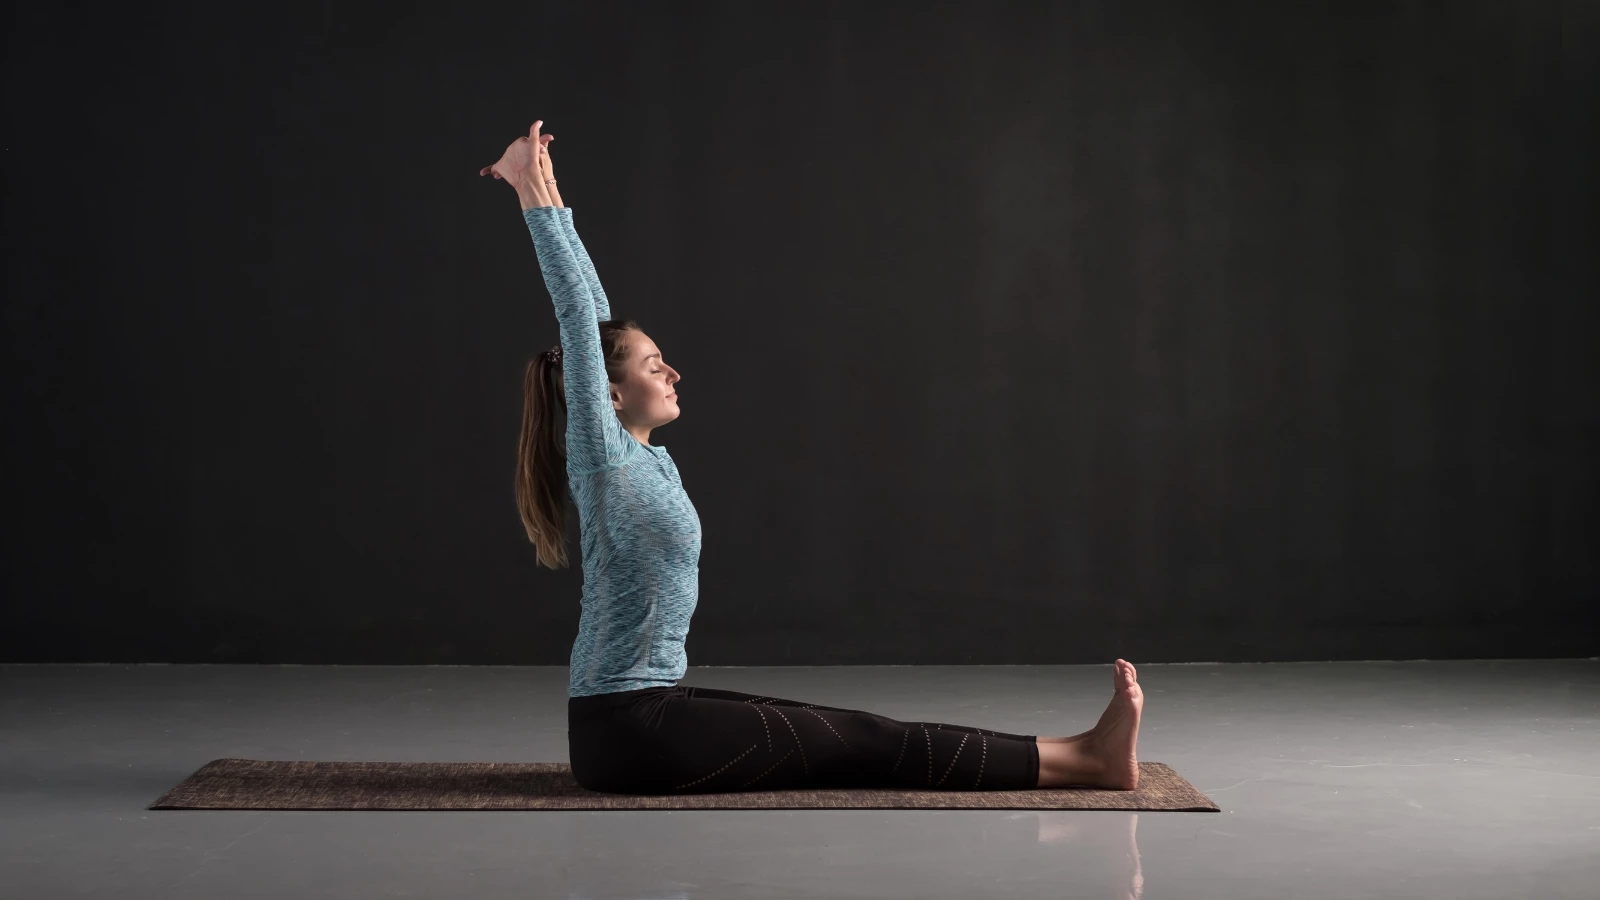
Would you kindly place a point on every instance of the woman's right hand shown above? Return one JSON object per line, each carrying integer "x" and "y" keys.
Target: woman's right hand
{"x": 520, "y": 166}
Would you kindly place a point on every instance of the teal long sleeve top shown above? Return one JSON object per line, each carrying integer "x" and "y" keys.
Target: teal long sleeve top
{"x": 640, "y": 534}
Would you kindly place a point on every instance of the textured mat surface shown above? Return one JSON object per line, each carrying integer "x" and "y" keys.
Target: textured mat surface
{"x": 232, "y": 783}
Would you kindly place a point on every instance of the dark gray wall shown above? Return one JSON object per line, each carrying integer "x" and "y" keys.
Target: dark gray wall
{"x": 1170, "y": 331}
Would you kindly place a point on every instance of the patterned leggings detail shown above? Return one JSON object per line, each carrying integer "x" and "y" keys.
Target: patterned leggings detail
{"x": 680, "y": 739}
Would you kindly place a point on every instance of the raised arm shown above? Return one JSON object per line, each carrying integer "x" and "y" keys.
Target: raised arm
{"x": 602, "y": 306}
{"x": 595, "y": 438}
{"x": 594, "y": 435}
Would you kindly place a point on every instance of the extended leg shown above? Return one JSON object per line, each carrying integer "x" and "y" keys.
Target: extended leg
{"x": 1104, "y": 756}
{"x": 766, "y": 700}
{"x": 705, "y": 739}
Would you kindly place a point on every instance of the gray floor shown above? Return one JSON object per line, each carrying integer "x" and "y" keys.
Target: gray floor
{"x": 1415, "y": 779}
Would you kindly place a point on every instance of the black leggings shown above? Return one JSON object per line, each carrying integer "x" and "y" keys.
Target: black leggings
{"x": 669, "y": 740}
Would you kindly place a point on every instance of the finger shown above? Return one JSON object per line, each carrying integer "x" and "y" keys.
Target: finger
{"x": 485, "y": 170}
{"x": 533, "y": 133}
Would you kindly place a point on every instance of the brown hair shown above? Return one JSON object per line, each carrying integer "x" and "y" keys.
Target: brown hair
{"x": 542, "y": 449}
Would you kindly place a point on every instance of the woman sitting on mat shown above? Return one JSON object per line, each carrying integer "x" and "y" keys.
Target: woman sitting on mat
{"x": 632, "y": 728}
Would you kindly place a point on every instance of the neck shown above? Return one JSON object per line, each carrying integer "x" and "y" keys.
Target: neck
{"x": 642, "y": 435}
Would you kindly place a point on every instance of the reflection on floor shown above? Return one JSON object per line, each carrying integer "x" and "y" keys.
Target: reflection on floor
{"x": 1418, "y": 779}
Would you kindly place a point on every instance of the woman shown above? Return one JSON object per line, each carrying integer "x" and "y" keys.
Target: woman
{"x": 631, "y": 727}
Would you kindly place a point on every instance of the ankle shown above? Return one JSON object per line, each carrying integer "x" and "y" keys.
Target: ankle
{"x": 1069, "y": 762}
{"x": 1068, "y": 739}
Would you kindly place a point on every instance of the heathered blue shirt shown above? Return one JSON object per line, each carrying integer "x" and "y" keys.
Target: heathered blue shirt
{"x": 640, "y": 534}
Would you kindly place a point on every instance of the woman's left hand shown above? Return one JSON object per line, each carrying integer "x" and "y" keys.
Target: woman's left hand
{"x": 525, "y": 166}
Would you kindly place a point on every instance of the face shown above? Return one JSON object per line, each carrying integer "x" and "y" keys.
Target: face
{"x": 646, "y": 397}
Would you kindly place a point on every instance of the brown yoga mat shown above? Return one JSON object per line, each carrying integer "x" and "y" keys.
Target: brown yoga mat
{"x": 232, "y": 783}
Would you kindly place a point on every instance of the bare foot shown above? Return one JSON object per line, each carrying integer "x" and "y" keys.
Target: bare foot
{"x": 1113, "y": 739}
